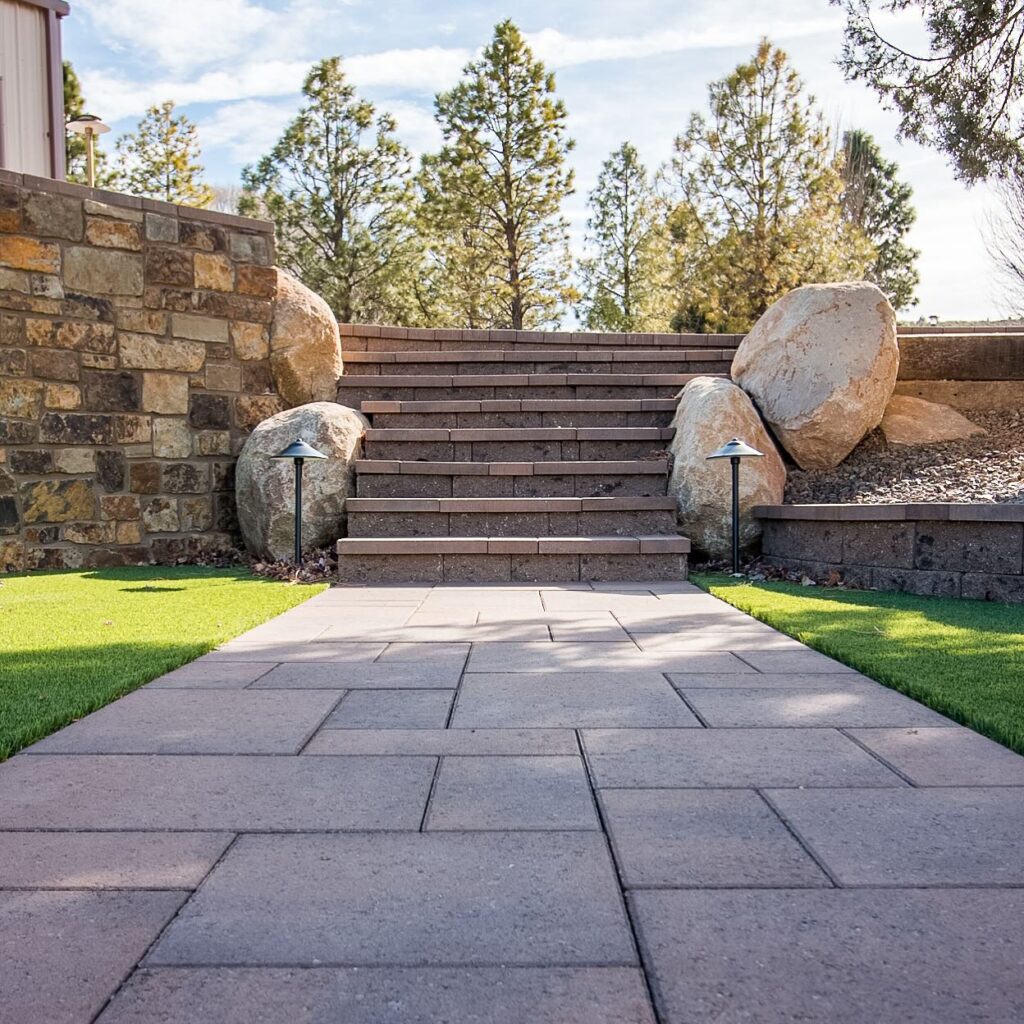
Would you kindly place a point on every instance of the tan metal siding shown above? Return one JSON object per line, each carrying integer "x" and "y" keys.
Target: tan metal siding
{"x": 24, "y": 89}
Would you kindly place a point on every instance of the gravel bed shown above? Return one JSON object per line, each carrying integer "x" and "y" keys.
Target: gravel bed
{"x": 985, "y": 468}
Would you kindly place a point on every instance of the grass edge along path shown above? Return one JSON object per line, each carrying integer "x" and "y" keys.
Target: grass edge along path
{"x": 73, "y": 641}
{"x": 963, "y": 658}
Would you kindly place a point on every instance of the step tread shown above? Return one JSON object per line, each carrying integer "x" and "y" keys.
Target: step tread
{"x": 501, "y": 505}
{"x": 638, "y": 545}
{"x": 612, "y": 355}
{"x": 413, "y": 380}
{"x": 520, "y": 434}
{"x": 519, "y": 405}
{"x": 645, "y": 467}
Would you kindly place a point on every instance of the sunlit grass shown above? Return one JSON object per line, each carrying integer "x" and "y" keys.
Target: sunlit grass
{"x": 71, "y": 642}
{"x": 962, "y": 658}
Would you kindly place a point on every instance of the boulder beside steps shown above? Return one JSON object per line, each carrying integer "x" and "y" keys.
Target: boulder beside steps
{"x": 548, "y": 466}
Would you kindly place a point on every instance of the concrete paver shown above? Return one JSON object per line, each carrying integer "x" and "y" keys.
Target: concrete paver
{"x": 469, "y": 803}
{"x": 703, "y": 837}
{"x": 912, "y": 837}
{"x": 924, "y": 956}
{"x": 384, "y": 995}
{"x": 154, "y": 721}
{"x": 511, "y": 793}
{"x": 406, "y": 899}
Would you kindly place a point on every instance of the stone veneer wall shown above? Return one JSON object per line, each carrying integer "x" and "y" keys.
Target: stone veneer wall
{"x": 134, "y": 343}
{"x": 942, "y": 550}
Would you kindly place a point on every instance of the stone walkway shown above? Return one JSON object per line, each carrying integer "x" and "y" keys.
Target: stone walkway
{"x": 606, "y": 804}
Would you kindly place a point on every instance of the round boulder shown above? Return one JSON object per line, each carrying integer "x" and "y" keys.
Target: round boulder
{"x": 265, "y": 486}
{"x": 821, "y": 365}
{"x": 712, "y": 411}
{"x": 913, "y": 421}
{"x": 305, "y": 349}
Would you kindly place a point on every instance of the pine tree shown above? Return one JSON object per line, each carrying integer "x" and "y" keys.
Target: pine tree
{"x": 624, "y": 279}
{"x": 499, "y": 180}
{"x": 338, "y": 187}
{"x": 161, "y": 159}
{"x": 758, "y": 199}
{"x": 878, "y": 203}
{"x": 961, "y": 92}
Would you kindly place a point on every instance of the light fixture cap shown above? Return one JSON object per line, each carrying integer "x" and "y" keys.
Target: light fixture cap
{"x": 298, "y": 449}
{"x": 86, "y": 123}
{"x": 735, "y": 449}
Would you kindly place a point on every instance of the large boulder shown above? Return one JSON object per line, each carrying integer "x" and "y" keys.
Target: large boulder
{"x": 712, "y": 411}
{"x": 265, "y": 486}
{"x": 913, "y": 421}
{"x": 305, "y": 349}
{"x": 821, "y": 365}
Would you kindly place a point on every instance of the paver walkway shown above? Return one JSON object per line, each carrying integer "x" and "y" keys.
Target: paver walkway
{"x": 603, "y": 804}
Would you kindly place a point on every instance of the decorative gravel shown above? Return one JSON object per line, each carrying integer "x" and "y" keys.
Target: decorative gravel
{"x": 985, "y": 468}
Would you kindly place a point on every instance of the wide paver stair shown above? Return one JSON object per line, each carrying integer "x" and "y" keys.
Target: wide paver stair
{"x": 504, "y": 462}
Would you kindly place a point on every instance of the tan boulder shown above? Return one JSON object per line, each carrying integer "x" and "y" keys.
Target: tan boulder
{"x": 913, "y": 421}
{"x": 305, "y": 349}
{"x": 821, "y": 365}
{"x": 265, "y": 486}
{"x": 712, "y": 411}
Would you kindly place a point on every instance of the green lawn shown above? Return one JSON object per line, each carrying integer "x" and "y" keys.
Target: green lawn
{"x": 963, "y": 658}
{"x": 71, "y": 642}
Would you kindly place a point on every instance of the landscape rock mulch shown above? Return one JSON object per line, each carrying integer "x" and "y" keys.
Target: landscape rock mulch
{"x": 989, "y": 467}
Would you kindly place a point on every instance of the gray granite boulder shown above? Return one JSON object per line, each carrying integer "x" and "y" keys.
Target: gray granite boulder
{"x": 264, "y": 486}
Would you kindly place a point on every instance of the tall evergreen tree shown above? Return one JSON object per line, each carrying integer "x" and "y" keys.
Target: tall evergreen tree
{"x": 500, "y": 179}
{"x": 878, "y": 203}
{"x": 338, "y": 187}
{"x": 961, "y": 92}
{"x": 624, "y": 279}
{"x": 758, "y": 199}
{"x": 161, "y": 159}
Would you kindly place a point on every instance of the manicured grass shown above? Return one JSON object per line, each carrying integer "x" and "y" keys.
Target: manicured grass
{"x": 962, "y": 658}
{"x": 71, "y": 642}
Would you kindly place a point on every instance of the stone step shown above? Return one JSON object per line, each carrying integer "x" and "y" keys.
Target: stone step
{"x": 496, "y": 559}
{"x": 394, "y": 479}
{"x": 520, "y": 413}
{"x": 539, "y": 361}
{"x": 356, "y": 388}
{"x": 373, "y": 338}
{"x": 510, "y": 517}
{"x": 507, "y": 444}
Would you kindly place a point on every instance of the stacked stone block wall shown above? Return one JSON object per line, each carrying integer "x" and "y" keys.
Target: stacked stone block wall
{"x": 940, "y": 550}
{"x": 134, "y": 362}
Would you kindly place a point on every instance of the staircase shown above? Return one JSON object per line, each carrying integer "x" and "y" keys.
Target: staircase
{"x": 497, "y": 456}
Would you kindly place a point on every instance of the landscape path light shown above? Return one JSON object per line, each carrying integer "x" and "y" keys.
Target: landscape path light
{"x": 735, "y": 450}
{"x": 298, "y": 451}
{"x": 90, "y": 126}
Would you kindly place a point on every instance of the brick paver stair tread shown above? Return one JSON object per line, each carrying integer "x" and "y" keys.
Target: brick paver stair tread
{"x": 656, "y": 543}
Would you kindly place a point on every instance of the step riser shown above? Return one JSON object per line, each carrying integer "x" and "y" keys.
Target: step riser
{"x": 711, "y": 365}
{"x": 511, "y": 451}
{"x": 429, "y": 485}
{"x": 352, "y": 394}
{"x": 516, "y": 420}
{"x": 510, "y": 524}
{"x": 444, "y": 568}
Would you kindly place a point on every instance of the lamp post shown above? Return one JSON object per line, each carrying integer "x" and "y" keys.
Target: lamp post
{"x": 298, "y": 451}
{"x": 735, "y": 450}
{"x": 90, "y": 126}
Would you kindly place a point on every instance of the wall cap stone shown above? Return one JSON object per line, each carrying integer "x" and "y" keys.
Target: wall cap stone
{"x": 946, "y": 511}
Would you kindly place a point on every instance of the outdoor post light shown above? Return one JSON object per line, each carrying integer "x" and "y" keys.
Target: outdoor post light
{"x": 734, "y": 451}
{"x": 298, "y": 451}
{"x": 90, "y": 126}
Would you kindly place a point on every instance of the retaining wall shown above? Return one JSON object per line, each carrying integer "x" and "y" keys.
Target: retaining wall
{"x": 133, "y": 364}
{"x": 942, "y": 550}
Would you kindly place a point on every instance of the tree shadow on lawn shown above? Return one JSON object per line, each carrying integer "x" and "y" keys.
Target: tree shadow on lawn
{"x": 963, "y": 658}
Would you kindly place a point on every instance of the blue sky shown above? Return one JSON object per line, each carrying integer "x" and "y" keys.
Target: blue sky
{"x": 627, "y": 70}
